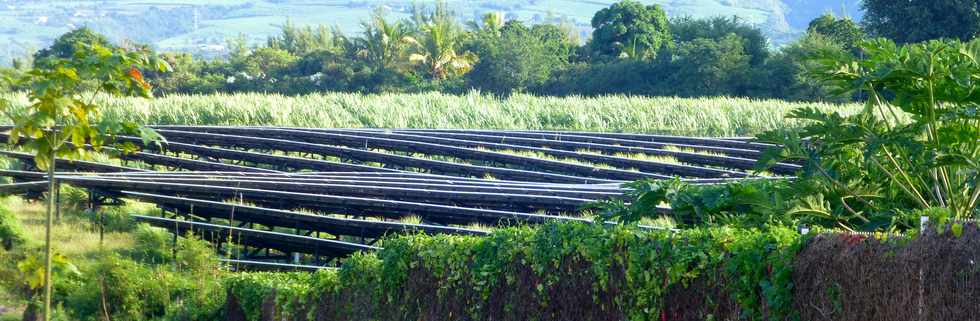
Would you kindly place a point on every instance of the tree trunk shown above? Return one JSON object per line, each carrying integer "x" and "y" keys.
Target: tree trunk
{"x": 47, "y": 239}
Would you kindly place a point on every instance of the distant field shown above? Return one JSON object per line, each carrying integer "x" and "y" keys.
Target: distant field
{"x": 696, "y": 116}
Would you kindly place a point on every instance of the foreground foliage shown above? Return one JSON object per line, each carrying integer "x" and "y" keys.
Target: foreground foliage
{"x": 914, "y": 146}
{"x": 912, "y": 151}
{"x": 60, "y": 122}
{"x": 556, "y": 271}
{"x": 137, "y": 275}
{"x": 589, "y": 272}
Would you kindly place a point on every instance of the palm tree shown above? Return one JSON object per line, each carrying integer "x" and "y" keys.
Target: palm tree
{"x": 434, "y": 50}
{"x": 383, "y": 44}
{"x": 491, "y": 23}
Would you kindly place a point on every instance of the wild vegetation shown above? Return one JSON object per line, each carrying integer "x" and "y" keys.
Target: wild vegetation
{"x": 59, "y": 122}
{"x": 910, "y": 151}
{"x": 129, "y": 271}
{"x": 635, "y": 50}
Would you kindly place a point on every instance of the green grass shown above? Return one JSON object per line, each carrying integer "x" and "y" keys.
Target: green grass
{"x": 74, "y": 237}
{"x": 668, "y": 115}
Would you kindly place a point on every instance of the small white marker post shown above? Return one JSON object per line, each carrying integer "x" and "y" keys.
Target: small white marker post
{"x": 923, "y": 222}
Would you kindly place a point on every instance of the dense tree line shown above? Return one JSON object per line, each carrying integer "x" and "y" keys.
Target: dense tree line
{"x": 635, "y": 49}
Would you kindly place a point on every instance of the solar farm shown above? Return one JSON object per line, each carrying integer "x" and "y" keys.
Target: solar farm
{"x": 306, "y": 198}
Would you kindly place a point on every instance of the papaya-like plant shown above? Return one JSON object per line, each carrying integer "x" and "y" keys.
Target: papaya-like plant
{"x": 63, "y": 118}
{"x": 916, "y": 144}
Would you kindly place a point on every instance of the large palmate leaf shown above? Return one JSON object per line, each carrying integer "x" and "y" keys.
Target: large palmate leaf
{"x": 916, "y": 141}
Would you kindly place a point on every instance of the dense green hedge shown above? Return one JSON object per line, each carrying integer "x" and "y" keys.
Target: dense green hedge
{"x": 552, "y": 272}
{"x": 583, "y": 272}
{"x": 560, "y": 271}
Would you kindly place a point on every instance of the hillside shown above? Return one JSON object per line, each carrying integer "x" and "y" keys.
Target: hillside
{"x": 203, "y": 26}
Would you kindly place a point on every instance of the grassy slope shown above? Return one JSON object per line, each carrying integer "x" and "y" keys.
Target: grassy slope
{"x": 682, "y": 116}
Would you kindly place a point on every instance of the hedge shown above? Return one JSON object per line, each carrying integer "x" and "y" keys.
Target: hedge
{"x": 583, "y": 272}
{"x": 556, "y": 271}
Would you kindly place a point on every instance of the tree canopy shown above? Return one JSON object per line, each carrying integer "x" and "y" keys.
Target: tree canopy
{"x": 912, "y": 21}
{"x": 517, "y": 58}
{"x": 844, "y": 31}
{"x": 630, "y": 29}
{"x": 635, "y": 49}
{"x": 69, "y": 43}
{"x": 754, "y": 43}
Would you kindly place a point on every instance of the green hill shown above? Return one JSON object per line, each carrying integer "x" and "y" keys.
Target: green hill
{"x": 202, "y": 26}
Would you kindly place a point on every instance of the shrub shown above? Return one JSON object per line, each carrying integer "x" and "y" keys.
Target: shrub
{"x": 122, "y": 289}
{"x": 114, "y": 218}
{"x": 152, "y": 244}
{"x": 73, "y": 197}
{"x": 913, "y": 147}
{"x": 290, "y": 291}
{"x": 195, "y": 255}
{"x": 10, "y": 230}
{"x": 747, "y": 204}
{"x": 115, "y": 289}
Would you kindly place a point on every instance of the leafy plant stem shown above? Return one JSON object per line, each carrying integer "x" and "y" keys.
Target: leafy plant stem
{"x": 105, "y": 306}
{"x": 843, "y": 201}
{"x": 937, "y": 187}
{"x": 47, "y": 238}
{"x": 942, "y": 176}
{"x": 905, "y": 175}
{"x": 976, "y": 195}
{"x": 883, "y": 105}
{"x": 844, "y": 226}
{"x": 840, "y": 185}
{"x": 915, "y": 195}
{"x": 95, "y": 93}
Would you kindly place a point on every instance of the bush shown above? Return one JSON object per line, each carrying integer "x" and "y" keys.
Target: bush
{"x": 289, "y": 290}
{"x": 116, "y": 218}
{"x": 73, "y": 197}
{"x": 195, "y": 255}
{"x": 746, "y": 204}
{"x": 913, "y": 147}
{"x": 117, "y": 289}
{"x": 152, "y": 244}
{"x": 128, "y": 290}
{"x": 10, "y": 230}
